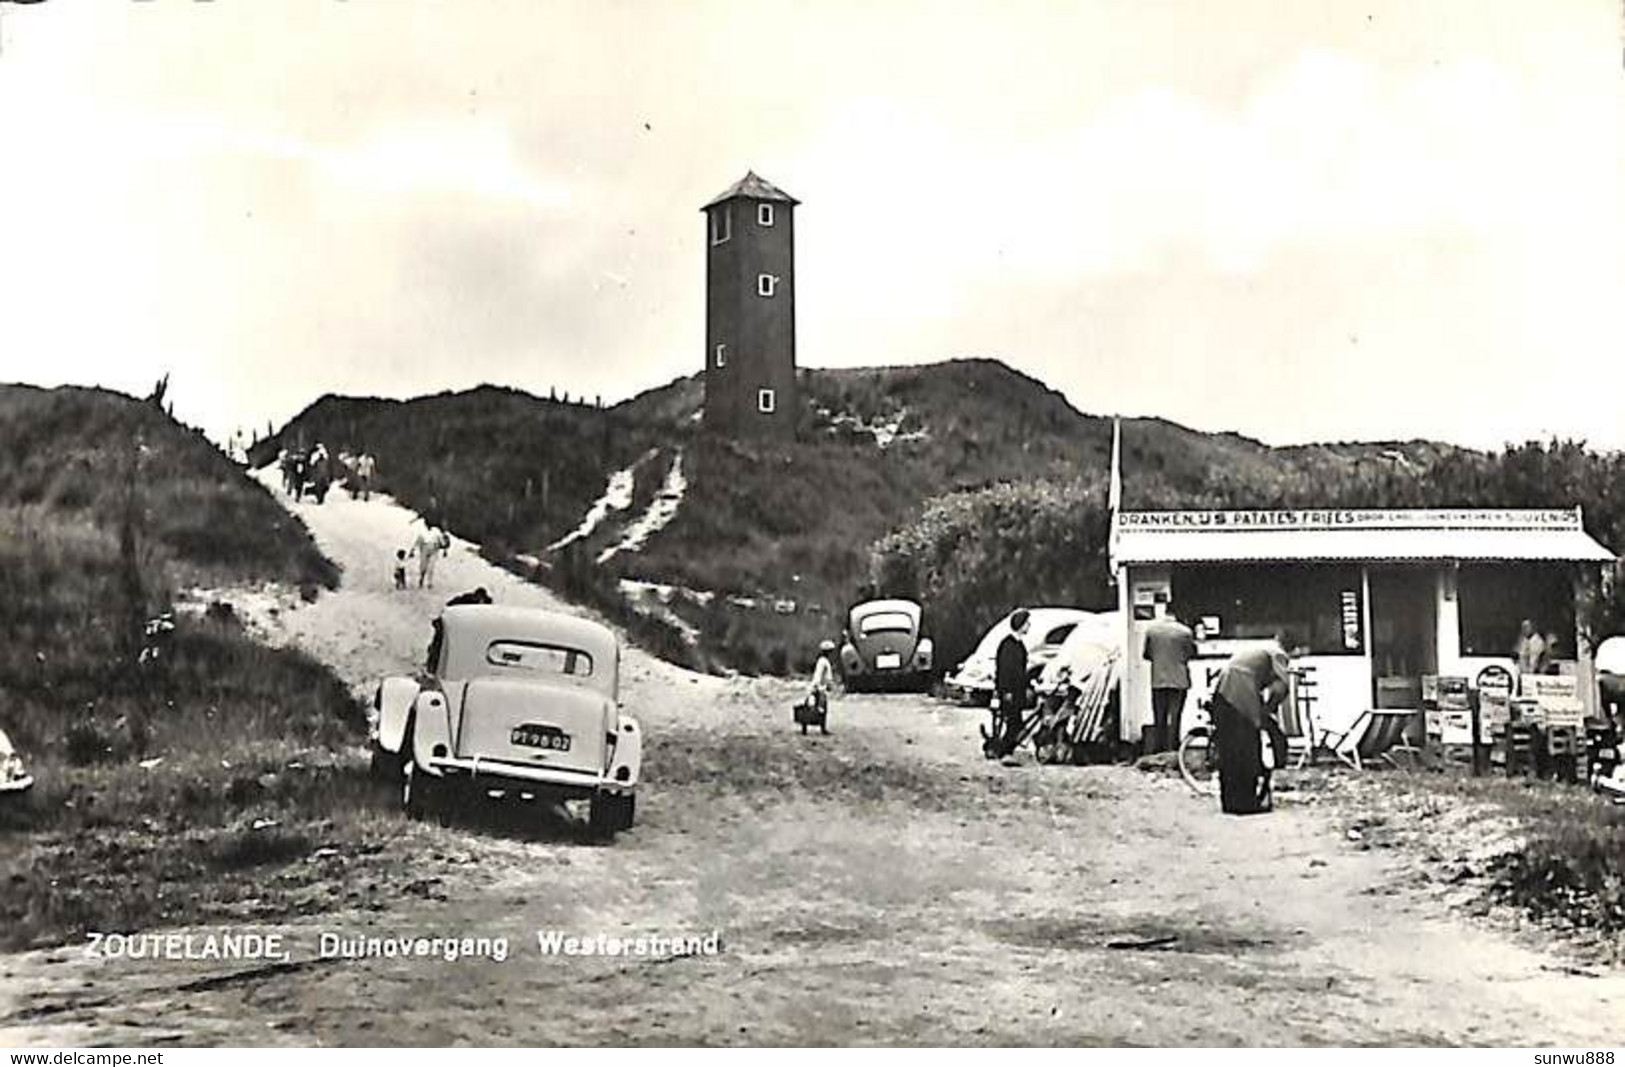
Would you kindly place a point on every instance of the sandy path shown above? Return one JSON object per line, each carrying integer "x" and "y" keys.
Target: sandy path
{"x": 882, "y": 885}
{"x": 368, "y": 629}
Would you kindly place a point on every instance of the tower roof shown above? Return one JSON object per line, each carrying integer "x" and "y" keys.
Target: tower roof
{"x": 755, "y": 188}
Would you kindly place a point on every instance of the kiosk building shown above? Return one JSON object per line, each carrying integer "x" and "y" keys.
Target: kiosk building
{"x": 1380, "y": 599}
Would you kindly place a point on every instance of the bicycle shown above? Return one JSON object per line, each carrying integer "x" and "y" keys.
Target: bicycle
{"x": 1198, "y": 756}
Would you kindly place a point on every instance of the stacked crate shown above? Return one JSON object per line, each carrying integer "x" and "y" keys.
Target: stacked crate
{"x": 1494, "y": 720}
{"x": 1455, "y": 712}
{"x": 1553, "y": 704}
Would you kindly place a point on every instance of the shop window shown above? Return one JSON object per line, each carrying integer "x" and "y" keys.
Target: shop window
{"x": 1320, "y": 606}
{"x": 1494, "y": 599}
{"x": 766, "y": 284}
{"x": 764, "y": 214}
{"x": 721, "y": 224}
{"x": 766, "y": 401}
{"x": 722, "y": 355}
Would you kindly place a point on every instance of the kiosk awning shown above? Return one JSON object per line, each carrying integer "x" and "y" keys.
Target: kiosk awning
{"x": 1554, "y": 535}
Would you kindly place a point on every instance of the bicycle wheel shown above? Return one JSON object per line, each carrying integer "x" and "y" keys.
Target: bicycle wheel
{"x": 1199, "y": 761}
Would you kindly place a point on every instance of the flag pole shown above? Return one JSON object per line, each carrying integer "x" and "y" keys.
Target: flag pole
{"x": 1114, "y": 498}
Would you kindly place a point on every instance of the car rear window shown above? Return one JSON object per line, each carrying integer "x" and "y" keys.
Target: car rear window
{"x": 540, "y": 659}
{"x": 884, "y": 622}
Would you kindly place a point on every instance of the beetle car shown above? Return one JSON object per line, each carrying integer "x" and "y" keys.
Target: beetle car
{"x": 516, "y": 703}
{"x": 884, "y": 646}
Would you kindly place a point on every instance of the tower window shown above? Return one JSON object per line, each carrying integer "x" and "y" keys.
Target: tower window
{"x": 721, "y": 224}
{"x": 764, "y": 214}
{"x": 722, "y": 355}
{"x": 766, "y": 284}
{"x": 766, "y": 401}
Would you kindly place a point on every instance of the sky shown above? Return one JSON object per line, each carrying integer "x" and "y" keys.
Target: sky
{"x": 1299, "y": 219}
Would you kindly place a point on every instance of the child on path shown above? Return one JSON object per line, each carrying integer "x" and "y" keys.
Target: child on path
{"x": 823, "y": 683}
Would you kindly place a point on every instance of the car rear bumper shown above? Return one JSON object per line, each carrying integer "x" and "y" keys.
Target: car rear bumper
{"x": 499, "y": 774}
{"x": 17, "y": 785}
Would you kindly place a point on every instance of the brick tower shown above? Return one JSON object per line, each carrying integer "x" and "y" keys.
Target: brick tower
{"x": 750, "y": 312}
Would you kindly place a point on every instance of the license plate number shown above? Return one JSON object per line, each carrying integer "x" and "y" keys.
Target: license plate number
{"x": 888, "y": 660}
{"x": 549, "y": 737}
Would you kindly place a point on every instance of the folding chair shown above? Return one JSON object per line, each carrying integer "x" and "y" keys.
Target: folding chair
{"x": 1342, "y": 745}
{"x": 1390, "y": 724}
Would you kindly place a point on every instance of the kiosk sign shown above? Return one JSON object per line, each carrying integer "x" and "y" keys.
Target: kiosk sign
{"x": 1356, "y": 519}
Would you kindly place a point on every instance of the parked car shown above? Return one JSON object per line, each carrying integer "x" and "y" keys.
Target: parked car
{"x": 1048, "y": 629}
{"x": 885, "y": 648}
{"x": 1610, "y": 664}
{"x": 1086, "y": 649}
{"x": 517, "y": 703}
{"x": 14, "y": 777}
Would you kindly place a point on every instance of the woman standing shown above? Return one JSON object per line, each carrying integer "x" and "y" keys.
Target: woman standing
{"x": 1250, "y": 688}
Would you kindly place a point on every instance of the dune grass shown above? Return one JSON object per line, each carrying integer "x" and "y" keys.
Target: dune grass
{"x": 176, "y": 760}
{"x": 1571, "y": 868}
{"x": 151, "y": 777}
{"x": 1554, "y": 851}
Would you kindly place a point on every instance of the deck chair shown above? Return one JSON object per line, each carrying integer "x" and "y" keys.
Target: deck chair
{"x": 1388, "y": 727}
{"x": 1341, "y": 745}
{"x": 1384, "y": 728}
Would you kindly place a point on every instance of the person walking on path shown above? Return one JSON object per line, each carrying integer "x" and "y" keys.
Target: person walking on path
{"x": 1169, "y": 646}
{"x": 426, "y": 546}
{"x": 365, "y": 468}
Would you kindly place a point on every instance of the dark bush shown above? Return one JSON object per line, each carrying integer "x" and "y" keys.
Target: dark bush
{"x": 778, "y": 661}
{"x": 255, "y": 848}
{"x": 86, "y": 744}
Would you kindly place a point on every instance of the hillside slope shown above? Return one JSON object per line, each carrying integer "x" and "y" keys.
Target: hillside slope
{"x": 79, "y": 453}
{"x": 149, "y": 730}
{"x": 512, "y": 470}
{"x": 784, "y": 535}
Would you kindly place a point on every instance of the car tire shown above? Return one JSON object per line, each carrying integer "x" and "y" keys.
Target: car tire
{"x": 420, "y": 793}
{"x": 17, "y": 809}
{"x": 384, "y": 766}
{"x": 608, "y": 814}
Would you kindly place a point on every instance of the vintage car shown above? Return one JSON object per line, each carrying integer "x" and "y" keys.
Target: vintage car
{"x": 1089, "y": 644}
{"x": 516, "y": 703}
{"x": 1047, "y": 630}
{"x": 1610, "y": 666}
{"x": 14, "y": 777}
{"x": 884, "y": 647}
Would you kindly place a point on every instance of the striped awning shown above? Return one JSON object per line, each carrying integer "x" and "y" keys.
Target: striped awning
{"x": 1545, "y": 535}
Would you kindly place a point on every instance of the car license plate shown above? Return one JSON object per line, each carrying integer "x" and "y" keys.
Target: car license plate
{"x": 888, "y": 661}
{"x": 531, "y": 735}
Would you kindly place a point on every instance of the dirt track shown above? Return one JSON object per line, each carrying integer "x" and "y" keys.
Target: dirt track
{"x": 882, "y": 885}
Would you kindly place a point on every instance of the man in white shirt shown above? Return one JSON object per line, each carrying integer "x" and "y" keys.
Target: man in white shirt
{"x": 428, "y": 544}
